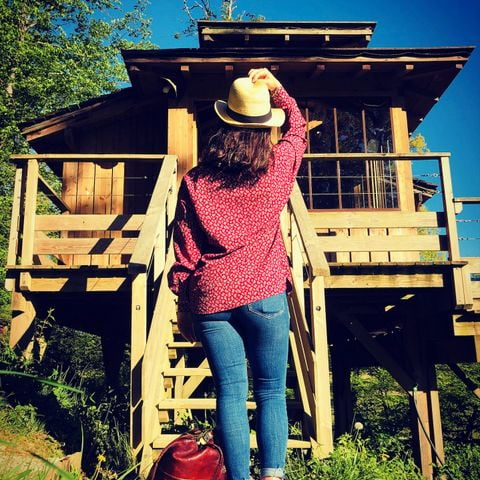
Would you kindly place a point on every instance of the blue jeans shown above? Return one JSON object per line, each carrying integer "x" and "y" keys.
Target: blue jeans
{"x": 259, "y": 332}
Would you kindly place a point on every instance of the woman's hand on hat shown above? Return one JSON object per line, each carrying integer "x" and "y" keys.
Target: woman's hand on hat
{"x": 265, "y": 75}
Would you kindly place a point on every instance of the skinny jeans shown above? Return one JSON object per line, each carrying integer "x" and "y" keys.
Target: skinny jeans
{"x": 259, "y": 332}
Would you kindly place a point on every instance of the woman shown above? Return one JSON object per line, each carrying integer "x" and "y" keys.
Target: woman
{"x": 231, "y": 272}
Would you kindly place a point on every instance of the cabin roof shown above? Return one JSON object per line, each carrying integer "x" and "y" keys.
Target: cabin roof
{"x": 74, "y": 110}
{"x": 284, "y": 34}
{"x": 419, "y": 75}
{"x": 312, "y": 57}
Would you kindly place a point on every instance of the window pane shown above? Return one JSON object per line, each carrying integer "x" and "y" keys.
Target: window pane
{"x": 354, "y": 184}
{"x": 349, "y": 125}
{"x": 321, "y": 129}
{"x": 379, "y": 132}
{"x": 325, "y": 184}
{"x": 350, "y": 130}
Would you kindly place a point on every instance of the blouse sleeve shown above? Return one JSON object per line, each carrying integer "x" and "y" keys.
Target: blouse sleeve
{"x": 287, "y": 154}
{"x": 187, "y": 247}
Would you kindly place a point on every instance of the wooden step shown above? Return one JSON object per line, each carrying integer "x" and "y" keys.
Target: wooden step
{"x": 205, "y": 372}
{"x": 165, "y": 439}
{"x": 187, "y": 372}
{"x": 184, "y": 345}
{"x": 206, "y": 404}
{"x": 174, "y": 346}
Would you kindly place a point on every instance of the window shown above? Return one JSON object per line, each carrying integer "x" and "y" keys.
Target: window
{"x": 348, "y": 126}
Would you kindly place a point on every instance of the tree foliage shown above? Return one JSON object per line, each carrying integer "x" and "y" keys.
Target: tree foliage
{"x": 57, "y": 53}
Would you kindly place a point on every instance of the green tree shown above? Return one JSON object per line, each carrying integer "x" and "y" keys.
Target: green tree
{"x": 57, "y": 53}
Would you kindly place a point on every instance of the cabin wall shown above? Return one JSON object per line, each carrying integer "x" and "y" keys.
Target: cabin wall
{"x": 182, "y": 134}
{"x": 115, "y": 187}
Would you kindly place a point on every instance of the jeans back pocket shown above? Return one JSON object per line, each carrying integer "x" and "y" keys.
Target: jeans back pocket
{"x": 269, "y": 307}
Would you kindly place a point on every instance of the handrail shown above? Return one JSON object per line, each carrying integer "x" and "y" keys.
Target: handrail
{"x": 155, "y": 361}
{"x": 378, "y": 156}
{"x": 308, "y": 337}
{"x": 85, "y": 157}
{"x": 150, "y": 289}
{"x": 316, "y": 257}
{"x": 470, "y": 200}
{"x": 152, "y": 226}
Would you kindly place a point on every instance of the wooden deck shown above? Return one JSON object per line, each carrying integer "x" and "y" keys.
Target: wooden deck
{"x": 365, "y": 286}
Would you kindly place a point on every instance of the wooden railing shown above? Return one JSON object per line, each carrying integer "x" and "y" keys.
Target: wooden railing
{"x": 153, "y": 310}
{"x": 70, "y": 238}
{"x": 308, "y": 336}
{"x": 47, "y": 239}
{"x": 471, "y": 279}
{"x": 390, "y": 235}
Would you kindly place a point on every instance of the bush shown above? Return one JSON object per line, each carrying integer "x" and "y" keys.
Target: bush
{"x": 354, "y": 459}
{"x": 462, "y": 462}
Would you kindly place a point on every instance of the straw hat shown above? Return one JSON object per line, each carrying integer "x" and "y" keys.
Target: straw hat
{"x": 249, "y": 106}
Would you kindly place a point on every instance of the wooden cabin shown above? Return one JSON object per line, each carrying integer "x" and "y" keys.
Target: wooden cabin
{"x": 377, "y": 280}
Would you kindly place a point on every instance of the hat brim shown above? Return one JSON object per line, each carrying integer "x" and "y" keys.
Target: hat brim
{"x": 277, "y": 119}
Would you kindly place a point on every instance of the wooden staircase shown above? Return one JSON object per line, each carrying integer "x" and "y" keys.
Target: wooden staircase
{"x": 176, "y": 380}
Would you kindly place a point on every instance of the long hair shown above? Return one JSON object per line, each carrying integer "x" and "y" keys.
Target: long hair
{"x": 236, "y": 156}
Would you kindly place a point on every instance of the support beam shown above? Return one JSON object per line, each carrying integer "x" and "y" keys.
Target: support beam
{"x": 364, "y": 69}
{"x": 322, "y": 445}
{"x": 425, "y": 415}
{"x": 23, "y": 316}
{"x": 380, "y": 354}
{"x": 406, "y": 70}
{"x": 137, "y": 348}
{"x": 28, "y": 229}
{"x": 185, "y": 71}
{"x": 342, "y": 390}
{"x": 472, "y": 386}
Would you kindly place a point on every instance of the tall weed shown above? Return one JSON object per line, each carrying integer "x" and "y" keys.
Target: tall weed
{"x": 354, "y": 459}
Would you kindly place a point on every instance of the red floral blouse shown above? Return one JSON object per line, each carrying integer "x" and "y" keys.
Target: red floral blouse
{"x": 228, "y": 245}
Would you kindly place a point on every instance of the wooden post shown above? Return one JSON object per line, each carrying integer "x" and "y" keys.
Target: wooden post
{"x": 28, "y": 230}
{"x": 401, "y": 144}
{"x": 398, "y": 116}
{"x": 297, "y": 262}
{"x": 450, "y": 219}
{"x": 426, "y": 424}
{"x": 22, "y": 320}
{"x": 424, "y": 401}
{"x": 322, "y": 445}
{"x": 24, "y": 311}
{"x": 182, "y": 136}
{"x": 13, "y": 243}
{"x": 342, "y": 390}
{"x": 421, "y": 432}
{"x": 462, "y": 296}
{"x": 137, "y": 348}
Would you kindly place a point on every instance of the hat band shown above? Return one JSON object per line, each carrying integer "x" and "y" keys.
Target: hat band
{"x": 249, "y": 118}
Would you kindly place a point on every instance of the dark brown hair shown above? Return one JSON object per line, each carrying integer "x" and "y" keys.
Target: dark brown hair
{"x": 236, "y": 156}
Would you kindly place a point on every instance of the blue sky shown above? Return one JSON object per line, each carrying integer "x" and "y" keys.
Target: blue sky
{"x": 450, "y": 126}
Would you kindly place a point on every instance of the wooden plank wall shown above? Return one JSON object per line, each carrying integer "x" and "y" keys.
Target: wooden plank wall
{"x": 114, "y": 187}
{"x": 182, "y": 135}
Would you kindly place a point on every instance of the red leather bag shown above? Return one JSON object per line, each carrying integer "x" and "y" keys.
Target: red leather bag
{"x": 191, "y": 456}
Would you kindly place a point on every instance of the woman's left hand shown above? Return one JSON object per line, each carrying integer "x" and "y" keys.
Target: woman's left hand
{"x": 185, "y": 325}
